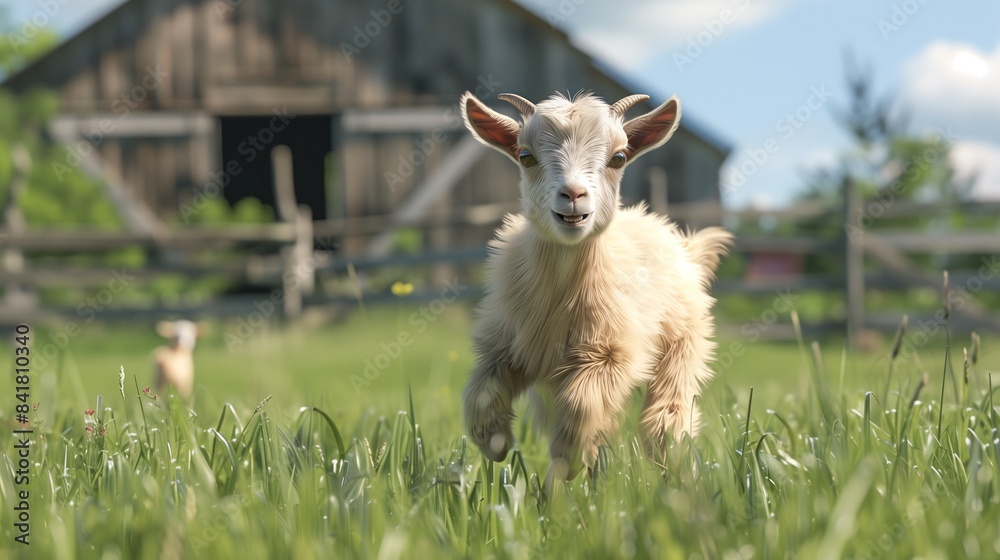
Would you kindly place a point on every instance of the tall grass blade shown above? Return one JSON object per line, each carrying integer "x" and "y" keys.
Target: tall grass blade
{"x": 897, "y": 344}
{"x": 868, "y": 422}
{"x": 744, "y": 461}
{"x": 944, "y": 379}
{"x": 341, "y": 449}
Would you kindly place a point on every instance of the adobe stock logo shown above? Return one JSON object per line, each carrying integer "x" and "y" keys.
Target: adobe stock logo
{"x": 900, "y": 16}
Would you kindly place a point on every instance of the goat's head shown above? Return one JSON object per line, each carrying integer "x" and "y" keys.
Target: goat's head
{"x": 572, "y": 153}
{"x": 182, "y": 334}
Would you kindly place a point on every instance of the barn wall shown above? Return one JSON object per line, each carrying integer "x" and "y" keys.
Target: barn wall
{"x": 215, "y": 57}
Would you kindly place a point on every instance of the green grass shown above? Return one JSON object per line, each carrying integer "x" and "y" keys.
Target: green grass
{"x": 798, "y": 457}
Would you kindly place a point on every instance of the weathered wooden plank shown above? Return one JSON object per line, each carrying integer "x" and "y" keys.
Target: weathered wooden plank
{"x": 189, "y": 238}
{"x": 908, "y": 273}
{"x": 402, "y": 120}
{"x": 942, "y": 242}
{"x": 162, "y": 58}
{"x": 298, "y": 268}
{"x": 145, "y": 55}
{"x": 267, "y": 22}
{"x": 182, "y": 43}
{"x": 166, "y": 191}
{"x": 81, "y": 92}
{"x": 109, "y": 70}
{"x": 246, "y": 45}
{"x": 338, "y": 264}
{"x": 143, "y": 124}
{"x": 182, "y": 173}
{"x": 812, "y": 283}
{"x": 85, "y": 277}
{"x": 892, "y": 208}
{"x": 970, "y": 281}
{"x": 284, "y": 187}
{"x": 711, "y": 211}
{"x": 256, "y": 98}
{"x": 229, "y": 306}
{"x": 801, "y": 245}
{"x": 220, "y": 34}
{"x": 146, "y": 160}
{"x": 205, "y": 155}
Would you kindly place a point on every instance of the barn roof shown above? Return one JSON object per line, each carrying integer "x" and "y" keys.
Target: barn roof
{"x": 55, "y": 67}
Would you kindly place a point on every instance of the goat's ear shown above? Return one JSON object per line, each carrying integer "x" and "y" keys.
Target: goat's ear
{"x": 653, "y": 129}
{"x": 489, "y": 127}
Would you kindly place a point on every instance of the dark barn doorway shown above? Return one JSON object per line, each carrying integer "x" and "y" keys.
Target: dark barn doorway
{"x": 247, "y": 143}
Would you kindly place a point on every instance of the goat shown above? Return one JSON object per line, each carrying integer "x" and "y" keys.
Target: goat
{"x": 174, "y": 364}
{"x": 586, "y": 300}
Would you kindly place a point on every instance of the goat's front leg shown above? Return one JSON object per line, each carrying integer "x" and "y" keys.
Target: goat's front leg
{"x": 487, "y": 402}
{"x": 679, "y": 375}
{"x": 591, "y": 392}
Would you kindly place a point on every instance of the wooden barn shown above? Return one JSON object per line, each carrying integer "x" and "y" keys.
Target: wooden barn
{"x": 174, "y": 97}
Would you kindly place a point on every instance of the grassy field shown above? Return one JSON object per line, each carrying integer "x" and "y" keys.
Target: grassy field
{"x": 291, "y": 451}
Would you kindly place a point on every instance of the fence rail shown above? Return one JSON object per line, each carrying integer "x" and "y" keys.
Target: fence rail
{"x": 294, "y": 255}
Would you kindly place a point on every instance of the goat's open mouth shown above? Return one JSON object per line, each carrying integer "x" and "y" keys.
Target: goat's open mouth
{"x": 572, "y": 219}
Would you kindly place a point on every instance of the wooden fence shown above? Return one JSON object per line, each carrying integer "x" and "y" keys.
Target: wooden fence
{"x": 289, "y": 259}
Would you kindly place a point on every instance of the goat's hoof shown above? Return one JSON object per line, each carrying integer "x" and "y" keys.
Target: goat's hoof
{"x": 493, "y": 445}
{"x": 496, "y": 448}
{"x": 562, "y": 470}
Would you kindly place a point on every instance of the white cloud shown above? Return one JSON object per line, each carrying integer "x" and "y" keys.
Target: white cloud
{"x": 982, "y": 161}
{"x": 628, "y": 37}
{"x": 956, "y": 86}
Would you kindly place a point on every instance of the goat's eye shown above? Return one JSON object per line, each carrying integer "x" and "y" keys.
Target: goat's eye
{"x": 617, "y": 161}
{"x": 526, "y": 159}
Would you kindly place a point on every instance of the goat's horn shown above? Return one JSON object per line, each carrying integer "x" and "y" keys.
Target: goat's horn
{"x": 625, "y": 103}
{"x": 525, "y": 107}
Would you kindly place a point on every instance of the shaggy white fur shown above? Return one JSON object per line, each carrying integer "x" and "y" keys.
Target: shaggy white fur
{"x": 586, "y": 300}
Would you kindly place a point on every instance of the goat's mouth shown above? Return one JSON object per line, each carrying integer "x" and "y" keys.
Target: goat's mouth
{"x": 574, "y": 220}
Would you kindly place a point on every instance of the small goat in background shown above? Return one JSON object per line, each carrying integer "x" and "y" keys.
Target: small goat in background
{"x": 174, "y": 364}
{"x": 586, "y": 300}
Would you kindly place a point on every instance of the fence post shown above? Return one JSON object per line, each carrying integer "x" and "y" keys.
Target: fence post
{"x": 854, "y": 263}
{"x": 15, "y": 293}
{"x": 658, "y": 190}
{"x": 298, "y": 267}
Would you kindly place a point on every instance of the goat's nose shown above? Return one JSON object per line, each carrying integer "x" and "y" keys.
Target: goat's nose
{"x": 573, "y": 191}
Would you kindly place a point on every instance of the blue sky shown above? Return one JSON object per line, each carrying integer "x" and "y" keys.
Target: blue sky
{"x": 763, "y": 75}
{"x": 742, "y": 67}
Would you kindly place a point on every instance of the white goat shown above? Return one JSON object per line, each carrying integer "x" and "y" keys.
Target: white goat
{"x": 586, "y": 300}
{"x": 174, "y": 364}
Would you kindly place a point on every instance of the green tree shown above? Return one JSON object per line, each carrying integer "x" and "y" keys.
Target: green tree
{"x": 887, "y": 161}
{"x": 892, "y": 168}
{"x": 51, "y": 197}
